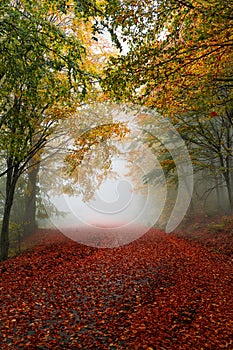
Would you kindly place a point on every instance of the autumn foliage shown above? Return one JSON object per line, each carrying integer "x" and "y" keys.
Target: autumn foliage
{"x": 159, "y": 292}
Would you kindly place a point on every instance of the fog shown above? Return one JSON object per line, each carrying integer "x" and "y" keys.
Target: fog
{"x": 117, "y": 208}
{"x": 105, "y": 198}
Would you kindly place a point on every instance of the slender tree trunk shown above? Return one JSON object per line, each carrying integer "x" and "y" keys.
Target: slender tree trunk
{"x": 30, "y": 200}
{"x": 216, "y": 184}
{"x": 217, "y": 193}
{"x": 228, "y": 169}
{"x": 227, "y": 179}
{"x": 11, "y": 181}
{"x": 229, "y": 192}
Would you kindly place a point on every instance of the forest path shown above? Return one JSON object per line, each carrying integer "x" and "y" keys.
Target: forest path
{"x": 159, "y": 292}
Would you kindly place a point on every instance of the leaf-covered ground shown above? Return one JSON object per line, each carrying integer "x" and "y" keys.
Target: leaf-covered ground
{"x": 159, "y": 292}
{"x": 215, "y": 233}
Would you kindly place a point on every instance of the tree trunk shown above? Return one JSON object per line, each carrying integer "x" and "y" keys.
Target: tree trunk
{"x": 216, "y": 184}
{"x": 11, "y": 181}
{"x": 227, "y": 178}
{"x": 30, "y": 223}
{"x": 219, "y": 207}
{"x": 229, "y": 192}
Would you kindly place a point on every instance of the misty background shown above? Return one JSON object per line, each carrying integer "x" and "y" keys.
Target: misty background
{"x": 121, "y": 184}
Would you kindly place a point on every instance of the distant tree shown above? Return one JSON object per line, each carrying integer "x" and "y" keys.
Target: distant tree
{"x": 81, "y": 159}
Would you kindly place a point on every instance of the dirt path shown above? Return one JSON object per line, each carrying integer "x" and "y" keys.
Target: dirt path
{"x": 159, "y": 292}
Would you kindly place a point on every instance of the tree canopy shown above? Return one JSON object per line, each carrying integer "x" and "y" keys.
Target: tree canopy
{"x": 179, "y": 61}
{"x": 173, "y": 45}
{"x": 43, "y": 77}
